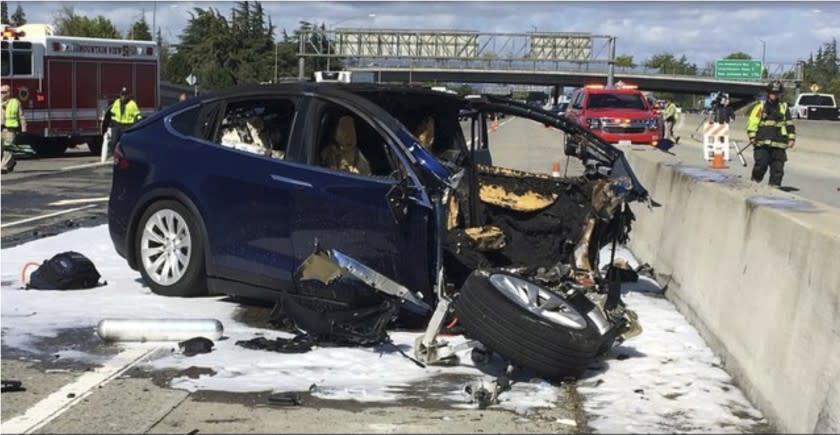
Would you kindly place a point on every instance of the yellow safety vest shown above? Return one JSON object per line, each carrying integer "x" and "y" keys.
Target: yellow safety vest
{"x": 671, "y": 110}
{"x": 774, "y": 130}
{"x": 124, "y": 115}
{"x": 11, "y": 119}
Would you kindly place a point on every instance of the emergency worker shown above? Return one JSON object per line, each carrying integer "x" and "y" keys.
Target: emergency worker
{"x": 722, "y": 112}
{"x": 671, "y": 116}
{"x": 771, "y": 131}
{"x": 123, "y": 114}
{"x": 12, "y": 123}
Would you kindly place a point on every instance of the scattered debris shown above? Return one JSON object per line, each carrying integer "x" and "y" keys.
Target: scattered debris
{"x": 301, "y": 343}
{"x": 71, "y": 395}
{"x": 11, "y": 386}
{"x": 195, "y": 346}
{"x": 194, "y": 372}
{"x": 285, "y": 399}
{"x": 485, "y": 395}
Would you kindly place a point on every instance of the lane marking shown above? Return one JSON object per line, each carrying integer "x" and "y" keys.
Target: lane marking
{"x": 78, "y": 201}
{"x": 86, "y": 165}
{"x": 58, "y": 402}
{"x": 49, "y": 215}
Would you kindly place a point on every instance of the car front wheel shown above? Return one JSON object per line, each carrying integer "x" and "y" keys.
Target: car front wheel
{"x": 528, "y": 324}
{"x": 170, "y": 250}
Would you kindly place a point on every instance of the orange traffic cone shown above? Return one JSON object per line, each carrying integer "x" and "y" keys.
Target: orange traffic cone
{"x": 555, "y": 169}
{"x": 717, "y": 161}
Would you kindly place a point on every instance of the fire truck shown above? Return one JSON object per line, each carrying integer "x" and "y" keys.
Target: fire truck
{"x": 66, "y": 84}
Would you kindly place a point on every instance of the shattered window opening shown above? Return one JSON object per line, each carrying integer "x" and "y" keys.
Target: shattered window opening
{"x": 348, "y": 143}
{"x": 260, "y": 127}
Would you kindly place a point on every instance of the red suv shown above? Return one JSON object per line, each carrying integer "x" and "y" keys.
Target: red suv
{"x": 621, "y": 116}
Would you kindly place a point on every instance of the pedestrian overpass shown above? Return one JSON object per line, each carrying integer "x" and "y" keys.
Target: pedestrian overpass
{"x": 535, "y": 58}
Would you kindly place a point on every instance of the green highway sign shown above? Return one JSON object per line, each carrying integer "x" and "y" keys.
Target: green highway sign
{"x": 738, "y": 69}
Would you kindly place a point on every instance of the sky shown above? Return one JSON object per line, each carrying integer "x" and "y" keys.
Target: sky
{"x": 703, "y": 31}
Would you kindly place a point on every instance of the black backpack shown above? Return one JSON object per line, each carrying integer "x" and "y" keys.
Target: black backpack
{"x": 65, "y": 271}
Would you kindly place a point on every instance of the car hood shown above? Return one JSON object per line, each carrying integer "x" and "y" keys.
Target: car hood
{"x": 620, "y": 113}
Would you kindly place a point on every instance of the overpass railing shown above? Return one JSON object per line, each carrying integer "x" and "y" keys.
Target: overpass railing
{"x": 468, "y": 50}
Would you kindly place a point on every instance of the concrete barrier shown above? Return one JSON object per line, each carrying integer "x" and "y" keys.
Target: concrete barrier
{"x": 757, "y": 271}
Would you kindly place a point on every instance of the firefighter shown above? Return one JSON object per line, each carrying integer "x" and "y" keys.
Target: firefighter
{"x": 671, "y": 116}
{"x": 771, "y": 131}
{"x": 13, "y": 122}
{"x": 123, "y": 114}
{"x": 722, "y": 113}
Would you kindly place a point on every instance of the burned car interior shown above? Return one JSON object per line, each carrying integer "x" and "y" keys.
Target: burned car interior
{"x": 261, "y": 127}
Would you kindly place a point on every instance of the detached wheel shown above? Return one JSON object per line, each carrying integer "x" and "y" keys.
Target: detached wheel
{"x": 531, "y": 326}
{"x": 170, "y": 251}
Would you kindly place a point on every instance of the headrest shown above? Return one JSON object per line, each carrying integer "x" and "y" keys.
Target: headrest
{"x": 426, "y": 132}
{"x": 345, "y": 132}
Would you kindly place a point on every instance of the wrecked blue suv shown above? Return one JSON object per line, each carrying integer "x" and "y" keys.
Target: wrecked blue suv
{"x": 329, "y": 197}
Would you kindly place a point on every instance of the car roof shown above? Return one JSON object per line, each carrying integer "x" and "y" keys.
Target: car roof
{"x": 352, "y": 93}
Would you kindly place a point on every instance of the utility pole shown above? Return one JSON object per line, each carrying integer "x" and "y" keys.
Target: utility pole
{"x": 611, "y": 70}
{"x": 763, "y": 52}
{"x": 275, "y": 62}
{"x": 304, "y": 28}
{"x": 154, "y": 19}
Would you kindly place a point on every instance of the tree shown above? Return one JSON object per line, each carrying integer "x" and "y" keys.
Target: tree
{"x": 738, "y": 55}
{"x": 19, "y": 17}
{"x": 4, "y": 14}
{"x": 464, "y": 89}
{"x": 823, "y": 69}
{"x": 668, "y": 64}
{"x": 139, "y": 31}
{"x": 67, "y": 23}
{"x": 624, "y": 61}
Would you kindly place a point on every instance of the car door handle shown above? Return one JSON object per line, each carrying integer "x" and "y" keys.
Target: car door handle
{"x": 292, "y": 181}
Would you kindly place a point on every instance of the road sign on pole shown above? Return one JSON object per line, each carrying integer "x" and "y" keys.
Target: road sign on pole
{"x": 738, "y": 69}
{"x": 191, "y": 79}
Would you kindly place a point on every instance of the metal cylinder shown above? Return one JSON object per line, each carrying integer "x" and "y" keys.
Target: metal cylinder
{"x": 158, "y": 329}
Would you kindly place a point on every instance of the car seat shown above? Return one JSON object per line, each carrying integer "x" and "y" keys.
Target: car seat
{"x": 343, "y": 154}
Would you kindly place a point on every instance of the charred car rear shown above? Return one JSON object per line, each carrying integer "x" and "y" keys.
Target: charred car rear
{"x": 349, "y": 204}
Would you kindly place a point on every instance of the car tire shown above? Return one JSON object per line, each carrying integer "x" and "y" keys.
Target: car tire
{"x": 536, "y": 342}
{"x": 50, "y": 147}
{"x": 94, "y": 144}
{"x": 169, "y": 250}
